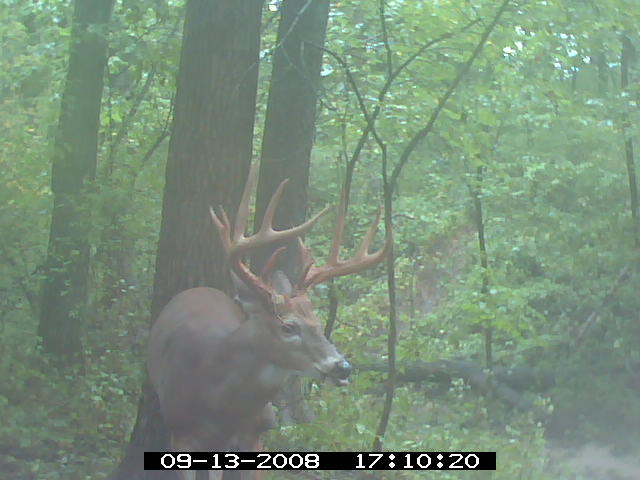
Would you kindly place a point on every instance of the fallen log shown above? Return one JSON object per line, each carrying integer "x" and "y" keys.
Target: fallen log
{"x": 506, "y": 384}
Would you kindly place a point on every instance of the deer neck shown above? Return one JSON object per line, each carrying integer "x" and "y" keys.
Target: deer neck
{"x": 255, "y": 371}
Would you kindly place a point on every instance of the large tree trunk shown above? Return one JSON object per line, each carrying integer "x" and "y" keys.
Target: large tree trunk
{"x": 209, "y": 156}
{"x": 74, "y": 167}
{"x": 211, "y": 141}
{"x": 289, "y": 132}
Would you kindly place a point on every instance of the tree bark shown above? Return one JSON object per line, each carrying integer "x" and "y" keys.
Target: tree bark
{"x": 211, "y": 141}
{"x": 289, "y": 128}
{"x": 209, "y": 156}
{"x": 73, "y": 169}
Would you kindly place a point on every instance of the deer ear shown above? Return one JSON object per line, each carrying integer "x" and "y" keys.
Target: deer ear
{"x": 281, "y": 284}
{"x": 249, "y": 301}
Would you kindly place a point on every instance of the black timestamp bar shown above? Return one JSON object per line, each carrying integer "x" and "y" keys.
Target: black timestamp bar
{"x": 320, "y": 461}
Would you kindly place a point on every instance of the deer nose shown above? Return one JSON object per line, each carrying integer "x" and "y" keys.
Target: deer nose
{"x": 342, "y": 369}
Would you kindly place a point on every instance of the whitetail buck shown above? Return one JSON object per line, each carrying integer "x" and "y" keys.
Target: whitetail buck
{"x": 217, "y": 362}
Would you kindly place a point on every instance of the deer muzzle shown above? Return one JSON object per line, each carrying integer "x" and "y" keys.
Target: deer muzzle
{"x": 340, "y": 372}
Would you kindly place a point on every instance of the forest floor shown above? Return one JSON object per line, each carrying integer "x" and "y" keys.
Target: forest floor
{"x": 597, "y": 462}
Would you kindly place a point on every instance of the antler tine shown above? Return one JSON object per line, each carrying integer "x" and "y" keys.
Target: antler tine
{"x": 363, "y": 250}
{"x": 223, "y": 227}
{"x": 267, "y": 219}
{"x": 336, "y": 267}
{"x": 268, "y": 234}
{"x": 240, "y": 222}
{"x": 270, "y": 266}
{"x": 300, "y": 229}
{"x": 338, "y": 235}
{"x": 375, "y": 257}
{"x": 235, "y": 242}
{"x": 306, "y": 259}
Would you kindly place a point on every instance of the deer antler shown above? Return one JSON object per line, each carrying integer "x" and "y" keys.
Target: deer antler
{"x": 236, "y": 243}
{"x": 335, "y": 267}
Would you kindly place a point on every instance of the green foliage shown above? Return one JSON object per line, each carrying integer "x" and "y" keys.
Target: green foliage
{"x": 453, "y": 421}
{"x": 64, "y": 424}
{"x": 541, "y": 112}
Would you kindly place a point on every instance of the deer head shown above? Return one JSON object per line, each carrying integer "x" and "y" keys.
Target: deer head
{"x": 277, "y": 306}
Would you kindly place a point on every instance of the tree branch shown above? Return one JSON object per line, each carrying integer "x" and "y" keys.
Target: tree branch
{"x": 422, "y": 133}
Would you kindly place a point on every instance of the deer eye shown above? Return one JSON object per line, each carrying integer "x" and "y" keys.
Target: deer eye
{"x": 290, "y": 328}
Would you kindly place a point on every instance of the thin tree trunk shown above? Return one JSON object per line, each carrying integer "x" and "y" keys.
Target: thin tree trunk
{"x": 627, "y": 49}
{"x": 392, "y": 335}
{"x": 74, "y": 167}
{"x": 209, "y": 156}
{"x": 476, "y": 195}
